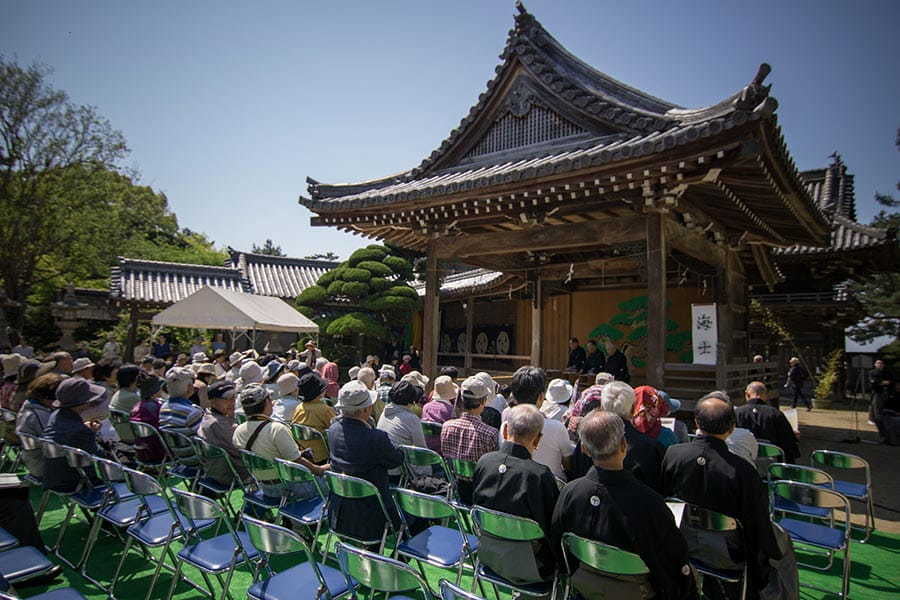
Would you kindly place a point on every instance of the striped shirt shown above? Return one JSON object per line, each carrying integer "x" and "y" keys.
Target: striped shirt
{"x": 181, "y": 415}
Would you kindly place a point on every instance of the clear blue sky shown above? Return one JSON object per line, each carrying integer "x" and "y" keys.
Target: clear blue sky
{"x": 228, "y": 106}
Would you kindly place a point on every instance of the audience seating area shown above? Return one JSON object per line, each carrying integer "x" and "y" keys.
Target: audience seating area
{"x": 168, "y": 531}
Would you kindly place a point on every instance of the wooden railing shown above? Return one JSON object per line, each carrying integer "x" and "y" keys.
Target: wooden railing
{"x": 691, "y": 381}
{"x": 828, "y": 297}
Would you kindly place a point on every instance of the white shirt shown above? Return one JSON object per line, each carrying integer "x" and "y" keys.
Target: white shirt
{"x": 554, "y": 446}
{"x": 743, "y": 443}
{"x": 283, "y": 408}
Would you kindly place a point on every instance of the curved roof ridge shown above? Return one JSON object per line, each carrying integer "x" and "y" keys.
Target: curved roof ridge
{"x": 161, "y": 263}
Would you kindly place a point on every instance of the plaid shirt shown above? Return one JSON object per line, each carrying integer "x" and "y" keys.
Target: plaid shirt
{"x": 467, "y": 438}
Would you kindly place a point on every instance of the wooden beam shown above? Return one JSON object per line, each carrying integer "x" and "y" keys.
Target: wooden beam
{"x": 764, "y": 263}
{"x": 431, "y": 318}
{"x": 575, "y": 235}
{"x": 656, "y": 294}
{"x": 693, "y": 244}
{"x": 536, "y": 321}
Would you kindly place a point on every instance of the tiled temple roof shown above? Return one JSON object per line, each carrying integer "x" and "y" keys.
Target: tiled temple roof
{"x": 156, "y": 282}
{"x": 279, "y": 276}
{"x": 468, "y": 282}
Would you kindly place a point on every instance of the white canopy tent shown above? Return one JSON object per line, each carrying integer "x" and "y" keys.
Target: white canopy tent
{"x": 217, "y": 308}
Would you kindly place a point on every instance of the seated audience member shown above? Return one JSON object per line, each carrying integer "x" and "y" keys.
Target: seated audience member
{"x": 73, "y": 397}
{"x": 387, "y": 377}
{"x": 451, "y": 372}
{"x": 287, "y": 402}
{"x": 468, "y": 437}
{"x": 148, "y": 449}
{"x": 595, "y": 359}
{"x": 706, "y": 473}
{"x": 313, "y": 412}
{"x": 250, "y": 373}
{"x": 62, "y": 363}
{"x": 496, "y": 401}
{"x": 609, "y": 505}
{"x": 269, "y": 438}
{"x": 681, "y": 430}
{"x": 405, "y": 366}
{"x": 361, "y": 451}
{"x": 217, "y": 429}
{"x": 177, "y": 412}
{"x": 554, "y": 446}
{"x": 147, "y": 364}
{"x": 648, "y": 412}
{"x": 576, "y": 411}
{"x": 441, "y": 407}
{"x": 330, "y": 373}
{"x": 421, "y": 381}
{"x": 159, "y": 368}
{"x": 741, "y": 442}
{"x": 127, "y": 396}
{"x": 34, "y": 416}
{"x": 556, "y": 400}
{"x": 510, "y": 481}
{"x": 766, "y": 422}
{"x": 353, "y": 373}
{"x": 28, "y": 371}
{"x": 645, "y": 454}
{"x": 233, "y": 366}
{"x": 403, "y": 426}
{"x": 368, "y": 378}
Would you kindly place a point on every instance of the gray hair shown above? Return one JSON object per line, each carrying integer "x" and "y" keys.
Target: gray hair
{"x": 366, "y": 375}
{"x": 617, "y": 397}
{"x": 603, "y": 378}
{"x": 718, "y": 395}
{"x": 601, "y": 434}
{"x": 524, "y": 422}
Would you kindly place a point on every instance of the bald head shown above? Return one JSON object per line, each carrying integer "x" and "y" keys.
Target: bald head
{"x": 715, "y": 417}
{"x": 755, "y": 390}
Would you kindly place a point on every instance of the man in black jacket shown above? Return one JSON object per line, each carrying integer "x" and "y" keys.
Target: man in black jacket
{"x": 509, "y": 481}
{"x": 616, "y": 362}
{"x": 797, "y": 377}
{"x": 881, "y": 381}
{"x": 767, "y": 422}
{"x": 706, "y": 473}
{"x": 577, "y": 356}
{"x": 611, "y": 506}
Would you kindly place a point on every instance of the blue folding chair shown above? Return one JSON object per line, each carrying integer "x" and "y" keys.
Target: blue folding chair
{"x": 828, "y": 539}
{"x": 265, "y": 482}
{"x": 454, "y": 592}
{"x": 700, "y": 518}
{"x": 214, "y": 556}
{"x": 379, "y": 573}
{"x": 185, "y": 463}
{"x": 155, "y": 530}
{"x": 309, "y": 579}
{"x": 859, "y": 492}
{"x": 7, "y": 540}
{"x": 23, "y": 563}
{"x": 439, "y": 546}
{"x": 216, "y": 465}
{"x": 120, "y": 511}
{"x": 351, "y": 488}
{"x": 802, "y": 474}
{"x": 8, "y": 593}
{"x": 143, "y": 434}
{"x": 33, "y": 444}
{"x": 307, "y": 509}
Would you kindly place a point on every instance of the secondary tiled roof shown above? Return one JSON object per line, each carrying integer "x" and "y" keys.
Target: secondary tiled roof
{"x": 468, "y": 282}
{"x": 832, "y": 188}
{"x": 279, "y": 276}
{"x": 156, "y": 282}
{"x": 845, "y": 235}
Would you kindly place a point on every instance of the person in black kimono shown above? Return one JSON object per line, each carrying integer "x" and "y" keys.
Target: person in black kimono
{"x": 616, "y": 362}
{"x": 595, "y": 360}
{"x": 509, "y": 481}
{"x": 609, "y": 505}
{"x": 706, "y": 473}
{"x": 577, "y": 356}
{"x": 796, "y": 380}
{"x": 767, "y": 422}
{"x": 881, "y": 382}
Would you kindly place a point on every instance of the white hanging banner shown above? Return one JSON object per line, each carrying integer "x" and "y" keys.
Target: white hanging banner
{"x": 704, "y": 333}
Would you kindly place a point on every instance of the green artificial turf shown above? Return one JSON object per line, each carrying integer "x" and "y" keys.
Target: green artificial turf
{"x": 875, "y": 568}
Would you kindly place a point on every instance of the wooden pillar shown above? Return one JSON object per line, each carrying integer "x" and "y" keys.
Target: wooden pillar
{"x": 656, "y": 294}
{"x": 537, "y": 303}
{"x": 131, "y": 340}
{"x": 431, "y": 318}
{"x": 470, "y": 327}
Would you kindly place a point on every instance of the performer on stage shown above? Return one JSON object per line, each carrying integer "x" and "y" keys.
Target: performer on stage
{"x": 577, "y": 356}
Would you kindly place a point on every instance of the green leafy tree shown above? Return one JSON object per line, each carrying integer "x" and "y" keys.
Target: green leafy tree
{"x": 879, "y": 293}
{"x": 269, "y": 249}
{"x": 629, "y": 326}
{"x": 326, "y": 256}
{"x": 49, "y": 147}
{"x": 365, "y": 299}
